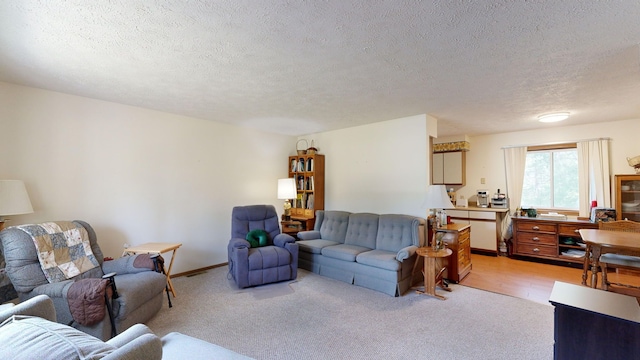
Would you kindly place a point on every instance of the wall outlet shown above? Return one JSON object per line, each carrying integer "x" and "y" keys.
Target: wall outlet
{"x": 481, "y": 180}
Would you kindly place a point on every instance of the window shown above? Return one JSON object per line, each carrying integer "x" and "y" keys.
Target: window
{"x": 551, "y": 178}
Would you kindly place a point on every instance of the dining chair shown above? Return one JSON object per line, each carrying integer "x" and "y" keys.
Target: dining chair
{"x": 619, "y": 261}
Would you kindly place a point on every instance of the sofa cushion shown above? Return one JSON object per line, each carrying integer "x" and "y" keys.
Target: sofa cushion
{"x": 397, "y": 231}
{"x": 333, "y": 225}
{"x": 268, "y": 257}
{"x": 179, "y": 346}
{"x": 257, "y": 238}
{"x": 36, "y": 338}
{"x": 380, "y": 259}
{"x": 362, "y": 230}
{"x": 315, "y": 246}
{"x": 343, "y": 251}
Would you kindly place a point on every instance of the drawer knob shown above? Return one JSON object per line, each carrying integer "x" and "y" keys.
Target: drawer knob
{"x": 536, "y": 250}
{"x": 536, "y": 228}
{"x": 536, "y": 239}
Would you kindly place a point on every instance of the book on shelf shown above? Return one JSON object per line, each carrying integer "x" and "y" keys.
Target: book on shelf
{"x": 301, "y": 165}
{"x": 309, "y": 164}
{"x": 293, "y": 165}
{"x": 311, "y": 184}
{"x": 310, "y": 202}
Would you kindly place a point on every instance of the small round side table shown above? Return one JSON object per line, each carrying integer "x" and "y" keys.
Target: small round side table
{"x": 433, "y": 275}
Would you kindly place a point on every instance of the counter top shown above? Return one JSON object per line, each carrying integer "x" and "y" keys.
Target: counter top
{"x": 452, "y": 227}
{"x": 537, "y": 218}
{"x": 476, "y": 208}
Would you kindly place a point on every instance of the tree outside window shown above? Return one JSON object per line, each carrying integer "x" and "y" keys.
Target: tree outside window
{"x": 551, "y": 179}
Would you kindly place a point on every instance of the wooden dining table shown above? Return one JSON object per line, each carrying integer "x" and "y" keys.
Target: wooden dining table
{"x": 605, "y": 241}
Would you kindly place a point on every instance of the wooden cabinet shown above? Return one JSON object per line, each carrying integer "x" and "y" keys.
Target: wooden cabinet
{"x": 457, "y": 238}
{"x": 308, "y": 170}
{"x": 550, "y": 239}
{"x": 594, "y": 324}
{"x": 486, "y": 224}
{"x": 628, "y": 197}
{"x": 448, "y": 168}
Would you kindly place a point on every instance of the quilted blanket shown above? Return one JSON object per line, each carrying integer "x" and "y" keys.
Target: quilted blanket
{"x": 63, "y": 249}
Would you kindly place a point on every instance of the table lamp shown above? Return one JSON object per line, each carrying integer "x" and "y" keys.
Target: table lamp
{"x": 14, "y": 199}
{"x": 287, "y": 190}
{"x": 437, "y": 199}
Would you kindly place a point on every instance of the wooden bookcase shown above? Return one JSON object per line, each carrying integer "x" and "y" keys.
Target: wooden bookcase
{"x": 308, "y": 170}
{"x": 628, "y": 197}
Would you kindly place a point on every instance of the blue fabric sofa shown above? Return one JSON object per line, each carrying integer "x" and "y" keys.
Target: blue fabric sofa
{"x": 370, "y": 250}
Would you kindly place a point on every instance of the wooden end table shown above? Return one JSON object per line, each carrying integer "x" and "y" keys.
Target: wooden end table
{"x": 157, "y": 248}
{"x": 291, "y": 227}
{"x": 432, "y": 272}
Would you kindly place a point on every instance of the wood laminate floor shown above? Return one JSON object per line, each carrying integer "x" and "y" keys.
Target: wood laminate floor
{"x": 526, "y": 279}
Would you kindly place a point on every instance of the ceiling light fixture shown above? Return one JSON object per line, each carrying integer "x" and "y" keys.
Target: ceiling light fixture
{"x": 555, "y": 117}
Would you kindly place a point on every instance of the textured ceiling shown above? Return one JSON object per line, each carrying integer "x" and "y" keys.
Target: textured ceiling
{"x": 299, "y": 67}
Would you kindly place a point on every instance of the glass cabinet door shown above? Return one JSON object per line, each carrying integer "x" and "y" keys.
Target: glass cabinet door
{"x": 628, "y": 197}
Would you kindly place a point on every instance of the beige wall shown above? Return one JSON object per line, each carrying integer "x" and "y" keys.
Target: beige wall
{"x": 139, "y": 175}
{"x": 379, "y": 168}
{"x": 136, "y": 175}
{"x": 485, "y": 159}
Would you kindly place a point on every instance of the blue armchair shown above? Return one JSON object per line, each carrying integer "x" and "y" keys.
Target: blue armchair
{"x": 252, "y": 266}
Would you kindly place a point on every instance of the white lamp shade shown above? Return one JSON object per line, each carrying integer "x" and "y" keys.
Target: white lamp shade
{"x": 14, "y": 199}
{"x": 437, "y": 198}
{"x": 287, "y": 189}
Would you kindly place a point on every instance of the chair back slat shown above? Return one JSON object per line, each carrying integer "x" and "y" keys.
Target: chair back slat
{"x": 620, "y": 225}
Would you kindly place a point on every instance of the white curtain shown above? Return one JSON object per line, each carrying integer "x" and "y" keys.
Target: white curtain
{"x": 594, "y": 174}
{"x": 515, "y": 159}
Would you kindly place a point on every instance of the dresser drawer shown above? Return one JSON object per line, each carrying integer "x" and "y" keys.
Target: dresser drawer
{"x": 535, "y": 226}
{"x": 536, "y": 238}
{"x": 536, "y": 249}
{"x": 463, "y": 258}
{"x": 572, "y": 229}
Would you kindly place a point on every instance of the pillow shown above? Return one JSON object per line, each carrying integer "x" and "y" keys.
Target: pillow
{"x": 257, "y": 238}
{"x": 37, "y": 338}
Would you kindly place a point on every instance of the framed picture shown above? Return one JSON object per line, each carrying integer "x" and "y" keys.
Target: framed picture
{"x": 603, "y": 214}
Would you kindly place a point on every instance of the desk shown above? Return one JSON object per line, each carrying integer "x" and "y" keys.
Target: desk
{"x": 431, "y": 276}
{"x": 157, "y": 248}
{"x": 605, "y": 241}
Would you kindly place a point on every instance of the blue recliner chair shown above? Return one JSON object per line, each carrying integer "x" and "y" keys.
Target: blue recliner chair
{"x": 272, "y": 261}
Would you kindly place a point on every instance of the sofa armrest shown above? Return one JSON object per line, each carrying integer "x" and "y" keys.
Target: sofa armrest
{"x": 146, "y": 346}
{"x": 40, "y": 306}
{"x": 129, "y": 335}
{"x": 282, "y": 239}
{"x": 126, "y": 265}
{"x": 239, "y": 243}
{"x": 309, "y": 235}
{"x": 406, "y": 252}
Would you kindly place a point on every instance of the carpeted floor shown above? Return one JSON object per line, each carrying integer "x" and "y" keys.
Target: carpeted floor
{"x": 319, "y": 318}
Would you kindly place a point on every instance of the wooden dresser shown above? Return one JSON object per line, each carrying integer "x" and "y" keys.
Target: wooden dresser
{"x": 594, "y": 324}
{"x": 457, "y": 237}
{"x": 550, "y": 239}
